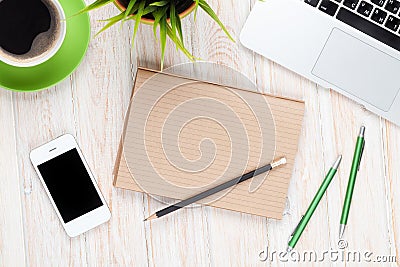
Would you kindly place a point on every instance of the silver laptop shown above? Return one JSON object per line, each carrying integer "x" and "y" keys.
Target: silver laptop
{"x": 351, "y": 46}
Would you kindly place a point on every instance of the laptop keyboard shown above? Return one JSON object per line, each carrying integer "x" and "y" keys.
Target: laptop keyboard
{"x": 377, "y": 18}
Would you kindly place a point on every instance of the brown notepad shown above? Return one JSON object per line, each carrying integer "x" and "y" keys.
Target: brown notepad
{"x": 183, "y": 136}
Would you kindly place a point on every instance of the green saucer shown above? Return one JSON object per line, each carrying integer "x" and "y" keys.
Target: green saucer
{"x": 61, "y": 65}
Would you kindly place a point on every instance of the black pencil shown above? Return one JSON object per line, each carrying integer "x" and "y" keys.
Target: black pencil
{"x": 216, "y": 189}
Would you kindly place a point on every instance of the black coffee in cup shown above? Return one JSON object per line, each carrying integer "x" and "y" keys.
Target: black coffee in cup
{"x": 28, "y": 29}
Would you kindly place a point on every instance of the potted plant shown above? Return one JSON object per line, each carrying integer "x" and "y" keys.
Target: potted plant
{"x": 163, "y": 14}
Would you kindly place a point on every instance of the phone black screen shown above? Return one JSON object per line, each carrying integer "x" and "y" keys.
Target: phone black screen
{"x": 70, "y": 185}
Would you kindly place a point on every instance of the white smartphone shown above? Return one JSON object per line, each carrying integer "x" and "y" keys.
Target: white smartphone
{"x": 70, "y": 185}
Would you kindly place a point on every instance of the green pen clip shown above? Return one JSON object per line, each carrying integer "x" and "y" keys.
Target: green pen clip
{"x": 295, "y": 229}
{"x": 361, "y": 154}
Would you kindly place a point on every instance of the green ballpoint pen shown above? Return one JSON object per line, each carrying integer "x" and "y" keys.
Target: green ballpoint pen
{"x": 355, "y": 166}
{"x": 295, "y": 236}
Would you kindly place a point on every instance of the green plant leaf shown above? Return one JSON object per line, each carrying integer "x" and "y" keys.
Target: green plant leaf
{"x": 129, "y": 8}
{"x": 111, "y": 22}
{"x": 196, "y": 7}
{"x": 179, "y": 27}
{"x": 179, "y": 44}
{"x": 172, "y": 35}
{"x": 155, "y": 25}
{"x": 149, "y": 9}
{"x": 94, "y": 5}
{"x": 133, "y": 12}
{"x": 203, "y": 4}
{"x": 160, "y": 3}
{"x": 137, "y": 18}
{"x": 163, "y": 38}
{"x": 172, "y": 17}
{"x": 158, "y": 14}
{"x": 160, "y": 19}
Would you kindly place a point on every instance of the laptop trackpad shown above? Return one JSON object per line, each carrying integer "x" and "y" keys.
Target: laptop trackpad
{"x": 359, "y": 69}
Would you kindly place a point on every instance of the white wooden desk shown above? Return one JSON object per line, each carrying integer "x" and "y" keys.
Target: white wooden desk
{"x": 91, "y": 105}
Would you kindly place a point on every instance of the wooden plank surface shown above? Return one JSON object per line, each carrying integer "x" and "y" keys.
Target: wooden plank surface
{"x": 91, "y": 104}
{"x": 12, "y": 241}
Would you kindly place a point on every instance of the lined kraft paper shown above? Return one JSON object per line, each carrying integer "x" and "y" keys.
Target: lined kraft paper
{"x": 266, "y": 199}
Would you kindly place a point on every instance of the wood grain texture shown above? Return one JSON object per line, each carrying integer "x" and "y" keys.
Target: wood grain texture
{"x": 12, "y": 243}
{"x": 91, "y": 104}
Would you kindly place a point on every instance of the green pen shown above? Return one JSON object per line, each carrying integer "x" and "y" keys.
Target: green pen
{"x": 355, "y": 166}
{"x": 295, "y": 236}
